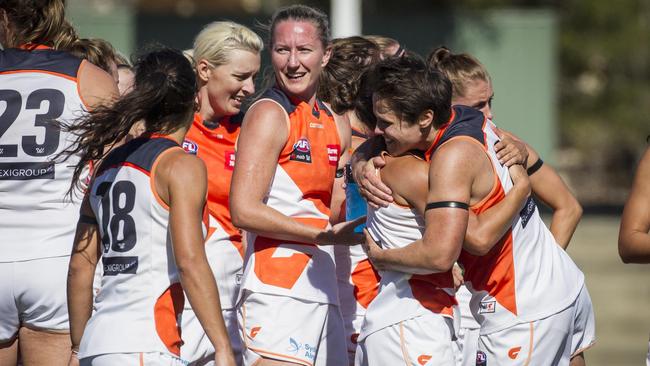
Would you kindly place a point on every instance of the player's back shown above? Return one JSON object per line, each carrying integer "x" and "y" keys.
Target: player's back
{"x": 37, "y": 87}
{"x": 140, "y": 289}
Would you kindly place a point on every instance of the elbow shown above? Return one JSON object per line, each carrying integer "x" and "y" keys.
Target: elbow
{"x": 240, "y": 215}
{"x": 627, "y": 254}
{"x": 441, "y": 263}
{"x": 478, "y": 245}
{"x": 575, "y": 211}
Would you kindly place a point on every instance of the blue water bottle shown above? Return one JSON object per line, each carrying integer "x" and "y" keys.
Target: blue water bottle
{"x": 355, "y": 205}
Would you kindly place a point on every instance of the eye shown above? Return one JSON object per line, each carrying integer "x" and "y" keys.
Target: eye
{"x": 281, "y": 50}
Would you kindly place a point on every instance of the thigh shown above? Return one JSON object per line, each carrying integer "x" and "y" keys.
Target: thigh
{"x": 38, "y": 347}
{"x": 41, "y": 293}
{"x": 542, "y": 342}
{"x": 281, "y": 328}
{"x": 8, "y": 309}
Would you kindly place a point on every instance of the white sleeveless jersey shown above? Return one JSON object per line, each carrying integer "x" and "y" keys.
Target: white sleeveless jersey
{"x": 140, "y": 299}
{"x": 526, "y": 276}
{"x": 302, "y": 190}
{"x": 404, "y": 295}
{"x": 37, "y": 217}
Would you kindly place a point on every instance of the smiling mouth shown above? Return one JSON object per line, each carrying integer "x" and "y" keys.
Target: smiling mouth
{"x": 295, "y": 76}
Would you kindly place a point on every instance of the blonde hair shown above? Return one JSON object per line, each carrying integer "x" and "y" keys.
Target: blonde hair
{"x": 459, "y": 68}
{"x": 215, "y": 42}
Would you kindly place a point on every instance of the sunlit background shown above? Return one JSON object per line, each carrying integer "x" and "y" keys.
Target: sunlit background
{"x": 570, "y": 77}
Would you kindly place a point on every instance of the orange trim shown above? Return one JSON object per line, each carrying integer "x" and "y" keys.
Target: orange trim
{"x": 83, "y": 101}
{"x": 288, "y": 358}
{"x": 402, "y": 345}
{"x": 71, "y": 78}
{"x": 152, "y": 177}
{"x": 141, "y": 359}
{"x": 441, "y": 131}
{"x": 530, "y": 345}
{"x": 34, "y": 46}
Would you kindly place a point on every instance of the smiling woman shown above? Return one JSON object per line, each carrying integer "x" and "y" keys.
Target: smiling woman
{"x": 227, "y": 57}
{"x": 287, "y": 156}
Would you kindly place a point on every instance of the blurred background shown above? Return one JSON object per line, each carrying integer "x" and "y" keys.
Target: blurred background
{"x": 572, "y": 78}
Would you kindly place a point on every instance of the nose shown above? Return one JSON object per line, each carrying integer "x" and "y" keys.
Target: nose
{"x": 378, "y": 131}
{"x": 293, "y": 59}
{"x": 249, "y": 86}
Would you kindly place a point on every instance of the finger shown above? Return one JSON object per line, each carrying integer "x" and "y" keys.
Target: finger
{"x": 358, "y": 221}
{"x": 378, "y": 196}
{"x": 376, "y": 182}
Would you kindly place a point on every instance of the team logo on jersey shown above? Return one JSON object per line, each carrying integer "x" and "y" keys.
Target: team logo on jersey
{"x": 301, "y": 151}
{"x": 119, "y": 265}
{"x": 190, "y": 146}
{"x": 229, "y": 159}
{"x": 514, "y": 352}
{"x": 294, "y": 346}
{"x": 481, "y": 358}
{"x": 423, "y": 359}
{"x": 527, "y": 211}
{"x": 254, "y": 331}
{"x": 487, "y": 307}
{"x": 333, "y": 153}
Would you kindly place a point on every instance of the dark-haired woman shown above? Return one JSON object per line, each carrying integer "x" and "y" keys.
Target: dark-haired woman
{"x": 143, "y": 217}
{"x": 37, "y": 219}
{"x": 287, "y": 157}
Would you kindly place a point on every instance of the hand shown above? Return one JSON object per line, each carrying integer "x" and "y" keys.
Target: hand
{"x": 510, "y": 150}
{"x": 343, "y": 233}
{"x": 370, "y": 185}
{"x": 520, "y": 179}
{"x": 74, "y": 360}
{"x": 224, "y": 358}
{"x": 373, "y": 251}
{"x": 457, "y": 273}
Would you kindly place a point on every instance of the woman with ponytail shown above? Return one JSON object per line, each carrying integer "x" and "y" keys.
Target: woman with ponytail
{"x": 37, "y": 219}
{"x": 142, "y": 216}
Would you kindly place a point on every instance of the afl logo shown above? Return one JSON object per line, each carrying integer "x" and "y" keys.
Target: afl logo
{"x": 301, "y": 151}
{"x": 302, "y": 146}
{"x": 190, "y": 146}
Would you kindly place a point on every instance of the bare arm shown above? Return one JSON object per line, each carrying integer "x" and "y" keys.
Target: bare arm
{"x": 185, "y": 221}
{"x": 451, "y": 175}
{"x": 263, "y": 135}
{"x": 485, "y": 230}
{"x": 633, "y": 237}
{"x": 81, "y": 271}
{"x": 549, "y": 187}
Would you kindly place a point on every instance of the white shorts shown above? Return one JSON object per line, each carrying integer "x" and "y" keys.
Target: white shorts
{"x": 550, "y": 341}
{"x": 424, "y": 340}
{"x": 352, "y": 329}
{"x": 293, "y": 330}
{"x": 33, "y": 294}
{"x": 197, "y": 347}
{"x": 465, "y": 346}
{"x": 147, "y": 358}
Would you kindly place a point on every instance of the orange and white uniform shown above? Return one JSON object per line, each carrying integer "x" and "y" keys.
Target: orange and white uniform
{"x": 525, "y": 278}
{"x": 357, "y": 278}
{"x": 223, "y": 244}
{"x": 411, "y": 319}
{"x": 37, "y": 217}
{"x": 141, "y": 297}
{"x": 286, "y": 281}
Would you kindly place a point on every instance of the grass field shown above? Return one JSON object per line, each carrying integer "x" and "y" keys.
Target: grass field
{"x": 620, "y": 294}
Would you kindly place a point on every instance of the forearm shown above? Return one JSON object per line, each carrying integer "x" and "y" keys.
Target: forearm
{"x": 202, "y": 292}
{"x": 564, "y": 223}
{"x": 263, "y": 220}
{"x": 415, "y": 256}
{"x": 634, "y": 246}
{"x": 486, "y": 229}
{"x": 80, "y": 297}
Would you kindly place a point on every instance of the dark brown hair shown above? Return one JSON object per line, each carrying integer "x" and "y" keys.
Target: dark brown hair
{"x": 459, "y": 68}
{"x": 37, "y": 22}
{"x": 97, "y": 51}
{"x": 341, "y": 78}
{"x": 163, "y": 97}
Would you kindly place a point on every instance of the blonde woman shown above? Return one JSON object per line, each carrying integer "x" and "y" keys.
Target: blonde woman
{"x": 227, "y": 59}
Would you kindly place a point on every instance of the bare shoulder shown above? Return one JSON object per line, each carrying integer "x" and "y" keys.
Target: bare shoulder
{"x": 407, "y": 176}
{"x": 265, "y": 111}
{"x": 96, "y": 86}
{"x": 459, "y": 153}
